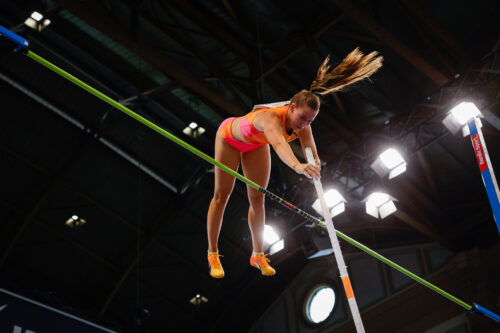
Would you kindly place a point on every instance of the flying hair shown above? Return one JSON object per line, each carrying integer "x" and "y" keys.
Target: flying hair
{"x": 355, "y": 67}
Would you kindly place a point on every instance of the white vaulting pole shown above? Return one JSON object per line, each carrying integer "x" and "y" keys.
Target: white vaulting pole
{"x": 336, "y": 250}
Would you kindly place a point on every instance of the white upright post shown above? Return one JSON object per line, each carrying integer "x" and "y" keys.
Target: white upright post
{"x": 336, "y": 250}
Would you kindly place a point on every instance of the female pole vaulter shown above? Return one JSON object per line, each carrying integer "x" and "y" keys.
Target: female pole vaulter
{"x": 247, "y": 139}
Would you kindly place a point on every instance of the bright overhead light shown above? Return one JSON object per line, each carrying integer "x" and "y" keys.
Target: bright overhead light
{"x": 464, "y": 112}
{"x": 198, "y": 300}
{"x": 277, "y": 246}
{"x": 36, "y": 16}
{"x": 458, "y": 117}
{"x": 36, "y": 21}
{"x": 334, "y": 200}
{"x": 389, "y": 162}
{"x": 75, "y": 222}
{"x": 270, "y": 236}
{"x": 380, "y": 205}
{"x": 193, "y": 130}
{"x": 391, "y": 158}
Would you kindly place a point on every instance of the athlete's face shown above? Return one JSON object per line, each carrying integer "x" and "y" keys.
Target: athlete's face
{"x": 301, "y": 116}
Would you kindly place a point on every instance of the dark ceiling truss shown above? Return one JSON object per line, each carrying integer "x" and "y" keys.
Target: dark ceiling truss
{"x": 182, "y": 37}
{"x": 234, "y": 16}
{"x": 162, "y": 62}
{"x": 249, "y": 55}
{"x": 455, "y": 50}
{"x": 414, "y": 22}
{"x": 129, "y": 101}
{"x": 101, "y": 74}
{"x": 138, "y": 100}
{"x": 390, "y": 40}
{"x": 95, "y": 133}
{"x": 210, "y": 62}
{"x": 294, "y": 45}
{"x": 291, "y": 47}
{"x": 96, "y": 256}
{"x": 148, "y": 236}
{"x": 57, "y": 177}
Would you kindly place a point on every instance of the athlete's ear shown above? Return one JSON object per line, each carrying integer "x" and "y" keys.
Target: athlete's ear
{"x": 292, "y": 106}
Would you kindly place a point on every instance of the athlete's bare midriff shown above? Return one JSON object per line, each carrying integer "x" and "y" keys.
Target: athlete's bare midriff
{"x": 236, "y": 130}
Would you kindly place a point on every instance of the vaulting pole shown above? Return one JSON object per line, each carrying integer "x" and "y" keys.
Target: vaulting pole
{"x": 344, "y": 276}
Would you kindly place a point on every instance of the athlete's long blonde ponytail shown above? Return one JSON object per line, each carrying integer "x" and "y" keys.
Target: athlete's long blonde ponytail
{"x": 353, "y": 68}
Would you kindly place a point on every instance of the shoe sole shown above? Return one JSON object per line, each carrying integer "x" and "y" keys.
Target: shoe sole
{"x": 261, "y": 271}
{"x": 215, "y": 277}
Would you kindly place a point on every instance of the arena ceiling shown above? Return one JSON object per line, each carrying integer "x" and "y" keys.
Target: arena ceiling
{"x": 64, "y": 152}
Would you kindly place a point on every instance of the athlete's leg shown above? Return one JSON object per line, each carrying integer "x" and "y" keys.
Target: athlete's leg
{"x": 224, "y": 184}
{"x": 257, "y": 166}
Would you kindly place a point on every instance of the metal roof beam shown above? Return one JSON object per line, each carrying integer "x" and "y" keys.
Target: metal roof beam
{"x": 427, "y": 230}
{"x": 351, "y": 35}
{"x": 424, "y": 36}
{"x": 391, "y": 40}
{"x": 249, "y": 55}
{"x": 186, "y": 41}
{"x": 55, "y": 177}
{"x": 95, "y": 255}
{"x": 147, "y": 52}
{"x": 291, "y": 47}
{"x": 456, "y": 50}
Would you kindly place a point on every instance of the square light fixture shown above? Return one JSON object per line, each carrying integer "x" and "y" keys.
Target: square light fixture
{"x": 198, "y": 300}
{"x": 75, "y": 222}
{"x": 193, "y": 130}
{"x": 335, "y": 202}
{"x": 270, "y": 236}
{"x": 380, "y": 205}
{"x": 389, "y": 162}
{"x": 37, "y": 21}
{"x": 458, "y": 117}
{"x": 277, "y": 246}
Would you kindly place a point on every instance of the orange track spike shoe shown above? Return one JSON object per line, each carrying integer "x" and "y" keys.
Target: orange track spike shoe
{"x": 261, "y": 262}
{"x": 215, "y": 266}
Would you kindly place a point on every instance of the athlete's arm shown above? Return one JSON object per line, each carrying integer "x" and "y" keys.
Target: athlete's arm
{"x": 271, "y": 124}
{"x": 307, "y": 140}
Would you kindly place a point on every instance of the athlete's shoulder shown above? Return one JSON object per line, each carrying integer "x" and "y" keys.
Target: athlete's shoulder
{"x": 270, "y": 105}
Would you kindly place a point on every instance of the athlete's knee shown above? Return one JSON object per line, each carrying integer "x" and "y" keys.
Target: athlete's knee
{"x": 256, "y": 199}
{"x": 221, "y": 196}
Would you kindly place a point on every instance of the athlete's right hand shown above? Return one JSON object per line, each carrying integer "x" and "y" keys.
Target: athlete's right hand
{"x": 308, "y": 170}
